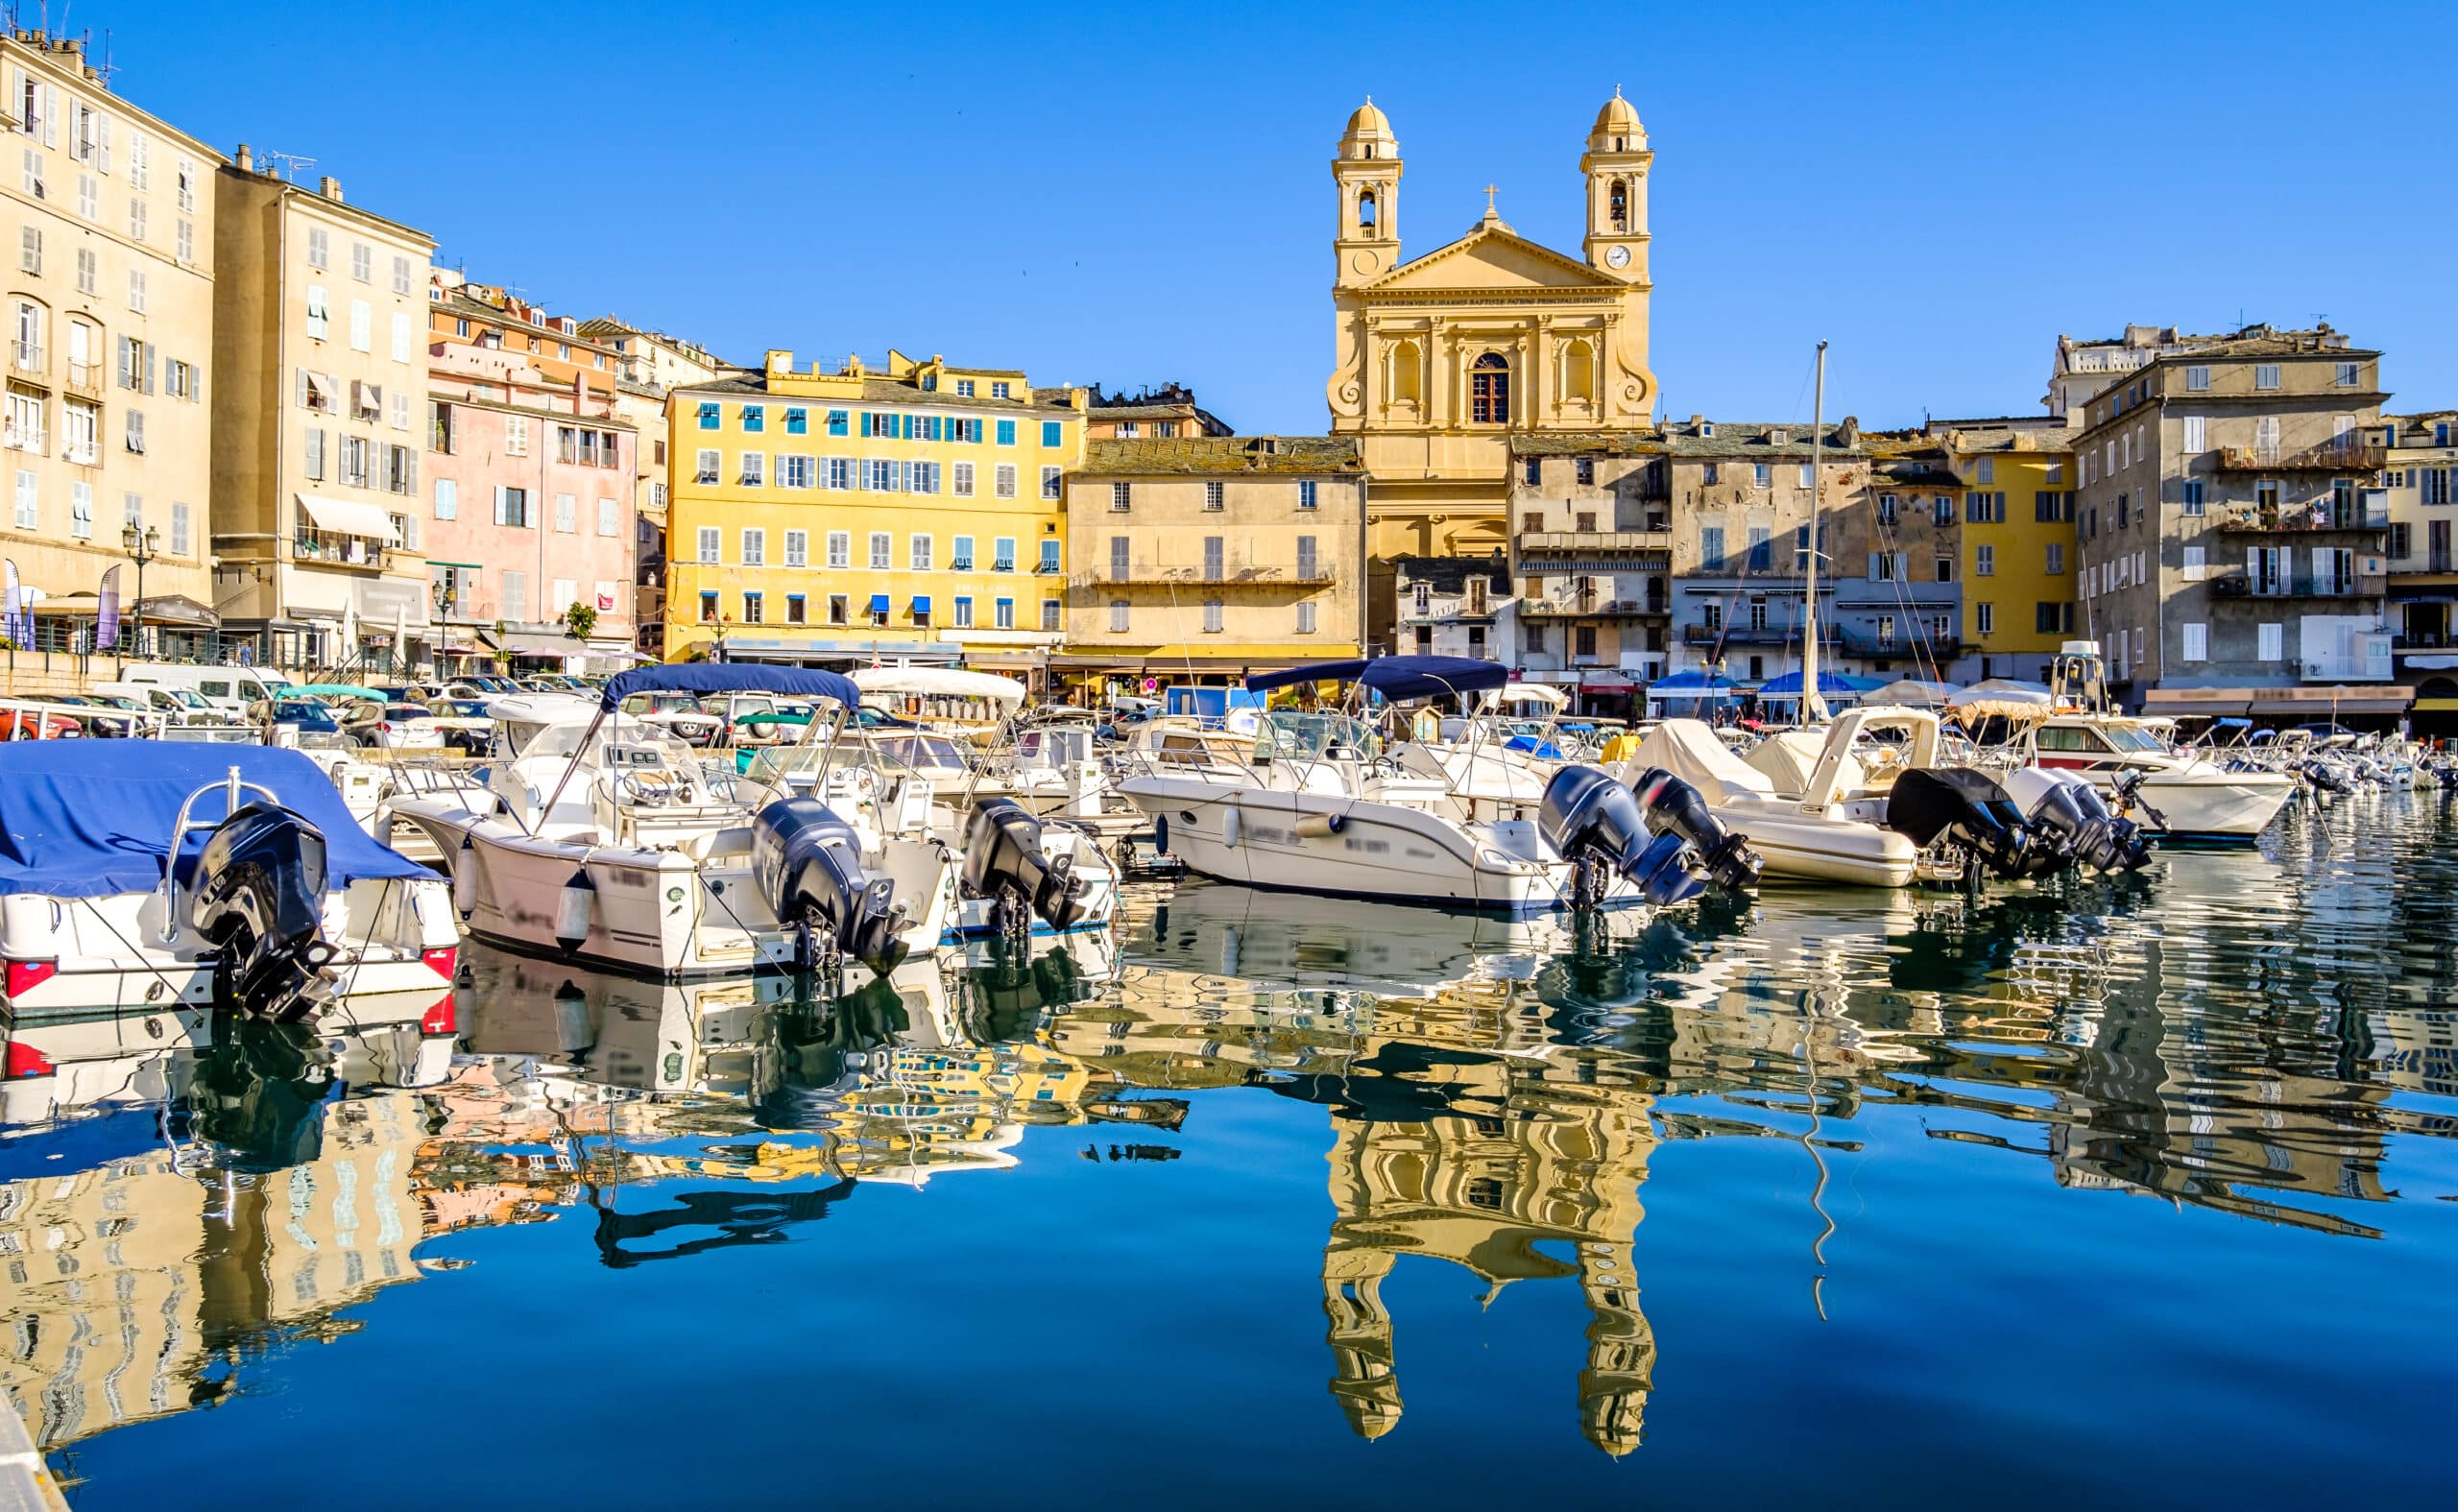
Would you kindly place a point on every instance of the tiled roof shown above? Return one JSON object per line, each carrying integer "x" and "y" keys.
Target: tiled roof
{"x": 1587, "y": 443}
{"x": 1451, "y": 574}
{"x": 1224, "y": 455}
{"x": 1755, "y": 441}
{"x": 884, "y": 390}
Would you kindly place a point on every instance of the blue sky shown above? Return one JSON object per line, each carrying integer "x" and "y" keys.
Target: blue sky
{"x": 1135, "y": 193}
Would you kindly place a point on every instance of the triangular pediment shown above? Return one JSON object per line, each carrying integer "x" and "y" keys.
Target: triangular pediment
{"x": 1492, "y": 258}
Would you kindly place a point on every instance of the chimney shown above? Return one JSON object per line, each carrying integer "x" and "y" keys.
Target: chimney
{"x": 246, "y": 160}
{"x": 331, "y": 188}
{"x": 1851, "y": 431}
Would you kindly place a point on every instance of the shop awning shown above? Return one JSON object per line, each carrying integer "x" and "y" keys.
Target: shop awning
{"x": 920, "y": 603}
{"x": 349, "y": 516}
{"x": 523, "y": 645}
{"x": 2215, "y": 701}
{"x": 321, "y": 386}
{"x": 2372, "y": 701}
{"x": 879, "y": 603}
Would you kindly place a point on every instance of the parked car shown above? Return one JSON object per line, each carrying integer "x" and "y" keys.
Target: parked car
{"x": 19, "y": 722}
{"x": 465, "y": 725}
{"x": 393, "y": 727}
{"x": 679, "y": 713}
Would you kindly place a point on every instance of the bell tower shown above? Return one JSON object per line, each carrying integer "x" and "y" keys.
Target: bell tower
{"x": 1616, "y": 163}
{"x": 1367, "y": 171}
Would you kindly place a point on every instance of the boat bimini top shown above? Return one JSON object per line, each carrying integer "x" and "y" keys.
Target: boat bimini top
{"x": 1397, "y": 679}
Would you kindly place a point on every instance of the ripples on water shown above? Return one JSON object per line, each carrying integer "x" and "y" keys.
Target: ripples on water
{"x": 2139, "y": 1190}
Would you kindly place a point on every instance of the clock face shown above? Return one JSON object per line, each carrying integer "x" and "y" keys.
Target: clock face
{"x": 1618, "y": 257}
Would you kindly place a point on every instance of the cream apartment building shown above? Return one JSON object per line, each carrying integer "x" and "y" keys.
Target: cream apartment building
{"x": 110, "y": 290}
{"x": 321, "y": 375}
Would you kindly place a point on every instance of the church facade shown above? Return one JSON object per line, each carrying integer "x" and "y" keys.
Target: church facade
{"x": 1440, "y": 359}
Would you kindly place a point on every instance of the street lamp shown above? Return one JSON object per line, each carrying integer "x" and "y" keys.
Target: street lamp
{"x": 140, "y": 547}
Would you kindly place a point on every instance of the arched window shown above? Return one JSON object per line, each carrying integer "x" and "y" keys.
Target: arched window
{"x": 1617, "y": 204}
{"x": 1578, "y": 373}
{"x": 1490, "y": 390}
{"x": 1365, "y": 212}
{"x": 1406, "y": 386}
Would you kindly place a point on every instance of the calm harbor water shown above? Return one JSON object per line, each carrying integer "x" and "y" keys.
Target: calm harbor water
{"x": 2136, "y": 1191}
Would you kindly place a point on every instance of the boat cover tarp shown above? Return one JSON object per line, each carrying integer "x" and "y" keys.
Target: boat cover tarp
{"x": 1395, "y": 678}
{"x": 1689, "y": 750}
{"x": 729, "y": 677}
{"x": 92, "y": 818}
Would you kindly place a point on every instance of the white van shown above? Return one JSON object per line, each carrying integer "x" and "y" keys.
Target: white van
{"x": 228, "y": 690}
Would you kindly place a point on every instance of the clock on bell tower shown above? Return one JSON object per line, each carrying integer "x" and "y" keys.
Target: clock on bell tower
{"x": 1616, "y": 163}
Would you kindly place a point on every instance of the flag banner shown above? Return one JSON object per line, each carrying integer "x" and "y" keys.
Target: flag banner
{"x": 106, "y": 612}
{"x": 15, "y": 609}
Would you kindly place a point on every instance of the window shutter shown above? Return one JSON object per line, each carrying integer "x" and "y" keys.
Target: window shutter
{"x": 1903, "y": 567}
{"x": 1873, "y": 566}
{"x": 149, "y": 367}
{"x": 51, "y": 115}
{"x": 104, "y": 160}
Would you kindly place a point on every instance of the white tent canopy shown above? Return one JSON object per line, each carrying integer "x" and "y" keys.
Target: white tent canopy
{"x": 1527, "y": 694}
{"x": 2004, "y": 698}
{"x": 940, "y": 682}
{"x": 350, "y": 518}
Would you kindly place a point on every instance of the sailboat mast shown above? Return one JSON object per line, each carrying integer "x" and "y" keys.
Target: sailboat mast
{"x": 1813, "y": 702}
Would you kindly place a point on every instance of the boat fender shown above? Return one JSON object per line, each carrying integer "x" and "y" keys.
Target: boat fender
{"x": 572, "y": 910}
{"x": 464, "y": 878}
{"x": 1161, "y": 835}
{"x": 1229, "y": 826}
{"x": 1318, "y": 826}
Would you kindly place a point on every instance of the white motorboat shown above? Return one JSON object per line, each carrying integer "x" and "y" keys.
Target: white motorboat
{"x": 2172, "y": 797}
{"x": 176, "y": 876}
{"x": 1319, "y": 809}
{"x": 604, "y": 841}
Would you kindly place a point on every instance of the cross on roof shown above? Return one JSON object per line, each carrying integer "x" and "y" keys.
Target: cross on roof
{"x": 1489, "y": 198}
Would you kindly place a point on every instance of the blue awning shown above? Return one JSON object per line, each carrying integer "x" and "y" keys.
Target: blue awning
{"x": 920, "y": 603}
{"x": 1688, "y": 682}
{"x": 879, "y": 603}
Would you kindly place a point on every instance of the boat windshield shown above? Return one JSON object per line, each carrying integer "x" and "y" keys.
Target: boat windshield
{"x": 1291, "y": 735}
{"x": 2134, "y": 738}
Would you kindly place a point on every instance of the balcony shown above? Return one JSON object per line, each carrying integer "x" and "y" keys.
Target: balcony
{"x": 2343, "y": 584}
{"x": 1835, "y": 639}
{"x": 27, "y": 356}
{"x": 1147, "y": 576}
{"x": 1597, "y": 606}
{"x": 26, "y": 437}
{"x": 1451, "y": 610}
{"x": 86, "y": 378}
{"x": 2347, "y": 455}
{"x": 1596, "y": 540}
{"x": 2252, "y": 519}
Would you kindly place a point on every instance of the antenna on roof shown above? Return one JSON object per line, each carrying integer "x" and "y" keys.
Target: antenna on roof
{"x": 105, "y": 68}
{"x": 289, "y": 163}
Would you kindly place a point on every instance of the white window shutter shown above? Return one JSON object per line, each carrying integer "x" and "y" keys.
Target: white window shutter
{"x": 51, "y": 115}
{"x": 1873, "y": 566}
{"x": 1903, "y": 567}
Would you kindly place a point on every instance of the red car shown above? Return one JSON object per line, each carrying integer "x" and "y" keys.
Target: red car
{"x": 17, "y": 724}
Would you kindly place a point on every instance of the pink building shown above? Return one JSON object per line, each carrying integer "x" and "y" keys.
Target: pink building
{"x": 529, "y": 506}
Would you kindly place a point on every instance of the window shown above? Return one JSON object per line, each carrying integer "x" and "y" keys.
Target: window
{"x": 179, "y": 530}
{"x": 710, "y": 417}
{"x": 840, "y": 548}
{"x": 447, "y": 500}
{"x": 1583, "y": 641}
{"x": 1049, "y": 483}
{"x": 2192, "y": 496}
{"x": 136, "y": 290}
{"x": 1117, "y": 616}
{"x": 136, "y": 431}
{"x": 710, "y": 543}
{"x": 754, "y": 608}
{"x": 2196, "y": 643}
{"x": 708, "y": 608}
{"x": 1886, "y": 630}
{"x": 755, "y": 548}
{"x": 1003, "y": 483}
{"x": 1985, "y": 618}
{"x": 2197, "y": 433}
{"x": 918, "y": 553}
{"x": 318, "y": 249}
{"x": 1003, "y": 614}
{"x": 882, "y": 550}
{"x": 1983, "y": 561}
{"x": 1003, "y": 554}
{"x": 1708, "y": 473}
{"x": 798, "y": 548}
{"x": 796, "y": 610}
{"x": 1711, "y": 549}
{"x": 960, "y": 475}
{"x": 2269, "y": 642}
{"x": 796, "y": 471}
{"x": 2266, "y": 376}
{"x": 1211, "y": 496}
{"x": 1584, "y": 470}
{"x": 1053, "y": 435}
{"x": 880, "y": 475}
{"x": 1762, "y": 556}
{"x": 1049, "y": 556}
{"x": 606, "y": 517}
{"x": 1006, "y": 431}
{"x": 2054, "y": 564}
{"x": 1886, "y": 509}
{"x": 964, "y": 388}
{"x": 1809, "y": 477}
{"x": 838, "y": 609}
{"x": 1050, "y": 613}
{"x": 400, "y": 337}
{"x": 710, "y": 462}
{"x": 1985, "y": 471}
{"x": 1122, "y": 496}
{"x": 1882, "y": 567}
{"x": 755, "y": 468}
{"x": 960, "y": 557}
{"x": 1306, "y": 494}
{"x": 1308, "y": 565}
{"x": 755, "y": 418}
{"x": 1214, "y": 558}
{"x": 2196, "y": 379}
{"x": 1306, "y": 618}
{"x": 80, "y": 511}
{"x": 90, "y": 270}
{"x": 2193, "y": 567}
{"x": 999, "y": 391}
{"x": 362, "y": 261}
{"x": 1490, "y": 390}
{"x": 1212, "y": 616}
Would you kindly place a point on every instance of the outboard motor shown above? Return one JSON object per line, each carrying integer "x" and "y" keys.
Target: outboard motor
{"x": 2070, "y": 810}
{"x": 1969, "y": 809}
{"x": 261, "y": 899}
{"x": 1597, "y": 824}
{"x": 808, "y": 863}
{"x": 1003, "y": 861}
{"x": 1675, "y": 807}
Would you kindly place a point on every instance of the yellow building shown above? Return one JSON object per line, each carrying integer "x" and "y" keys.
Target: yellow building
{"x": 914, "y": 514}
{"x": 1440, "y": 359}
{"x": 1200, "y": 560}
{"x": 111, "y": 330}
{"x": 2018, "y": 567}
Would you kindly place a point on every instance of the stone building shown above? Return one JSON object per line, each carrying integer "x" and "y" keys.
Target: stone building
{"x": 1202, "y": 559}
{"x": 1165, "y": 411}
{"x": 1440, "y": 359}
{"x": 2420, "y": 495}
{"x": 2227, "y": 546}
{"x": 1591, "y": 551}
{"x": 1455, "y": 607}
